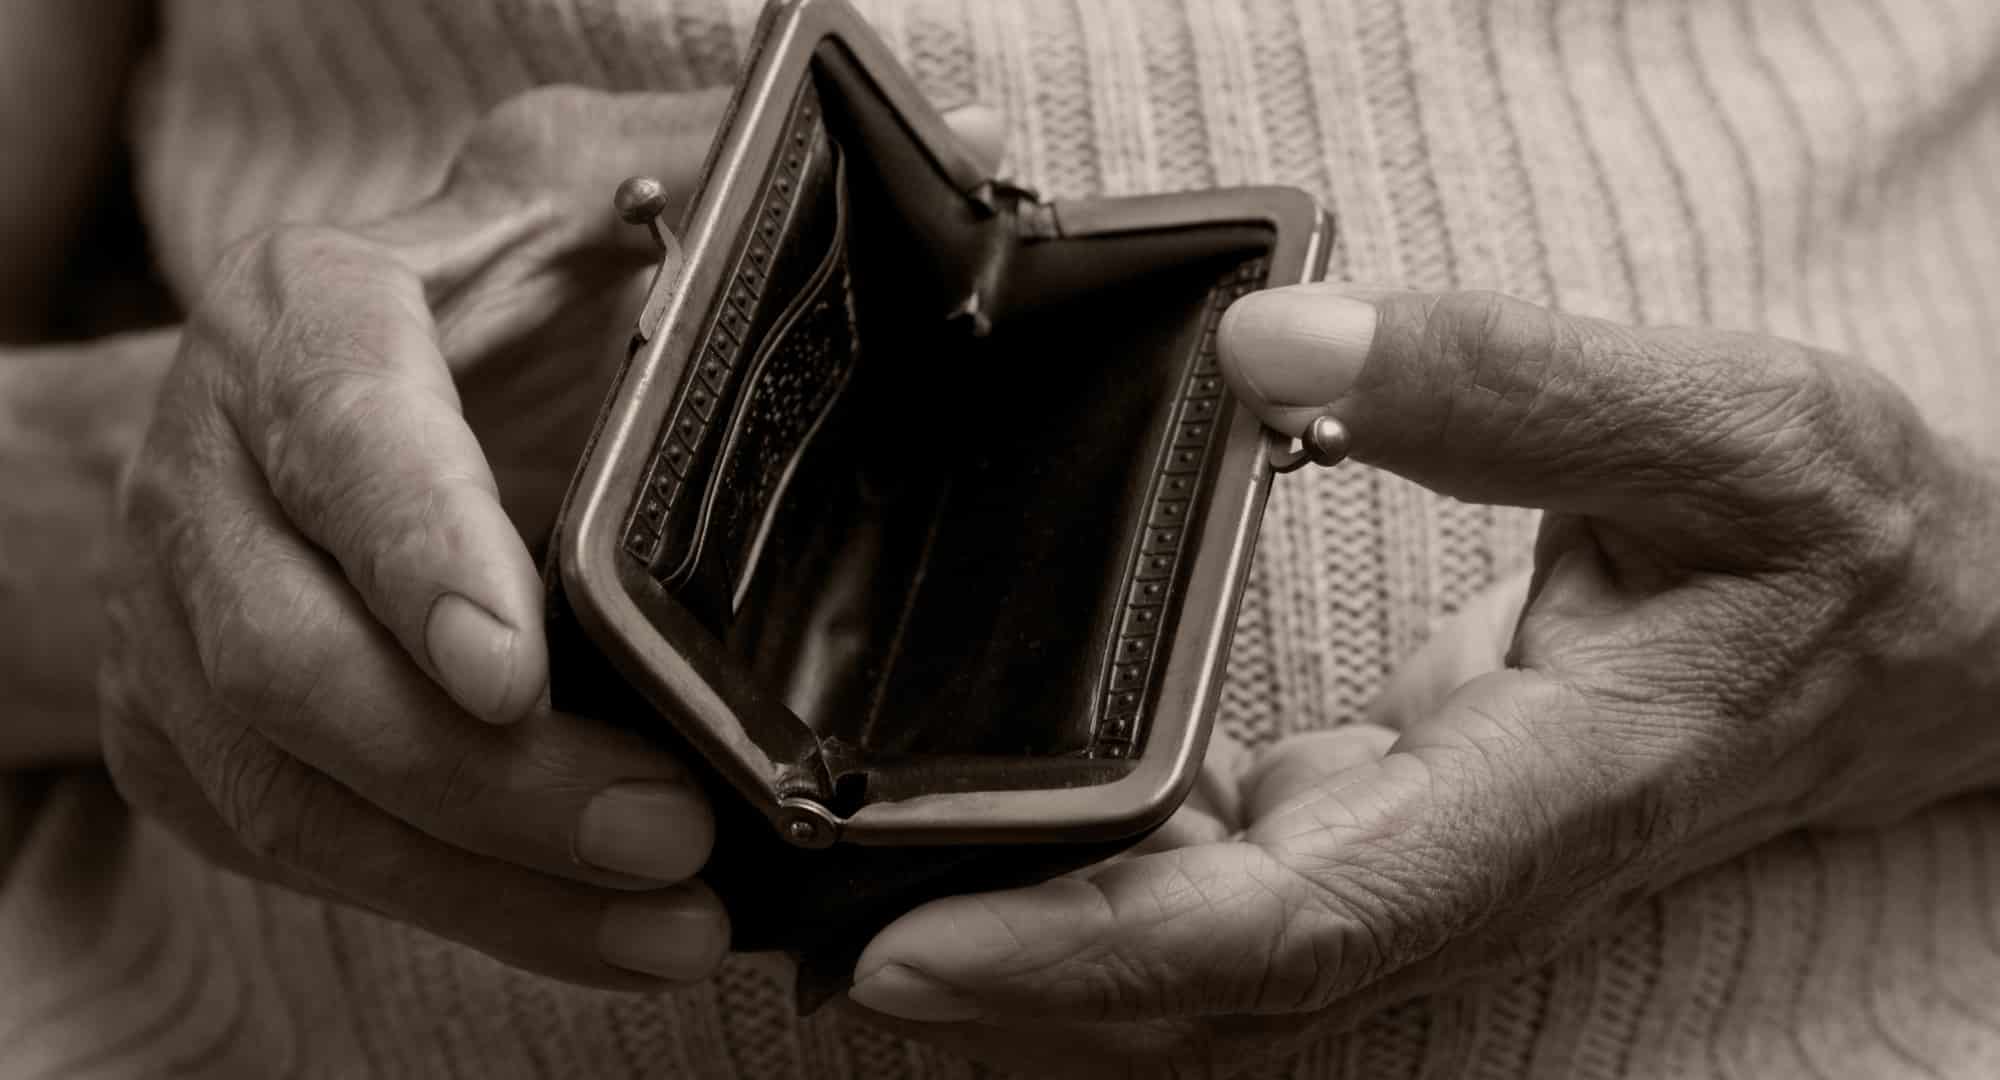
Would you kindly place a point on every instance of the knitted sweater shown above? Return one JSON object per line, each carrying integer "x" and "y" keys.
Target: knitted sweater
{"x": 1821, "y": 169}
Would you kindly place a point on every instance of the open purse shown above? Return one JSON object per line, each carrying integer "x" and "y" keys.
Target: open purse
{"x": 918, "y": 517}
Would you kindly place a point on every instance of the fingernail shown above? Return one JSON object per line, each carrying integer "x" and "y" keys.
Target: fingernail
{"x": 650, "y": 829}
{"x": 473, "y": 653}
{"x": 1290, "y": 352}
{"x": 984, "y": 129}
{"x": 680, "y": 936}
{"x": 901, "y": 991}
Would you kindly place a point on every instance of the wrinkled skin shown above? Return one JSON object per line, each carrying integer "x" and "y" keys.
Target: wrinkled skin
{"x": 1764, "y": 597}
{"x": 328, "y": 666}
{"x": 358, "y": 423}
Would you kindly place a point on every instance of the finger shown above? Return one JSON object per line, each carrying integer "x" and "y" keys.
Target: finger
{"x": 1468, "y": 834}
{"x": 983, "y": 129}
{"x": 540, "y": 168}
{"x": 1495, "y": 400}
{"x": 1471, "y": 643}
{"x": 350, "y": 416}
{"x": 1297, "y": 768}
{"x": 1188, "y": 827}
{"x": 152, "y": 779}
{"x": 277, "y": 820}
{"x": 1212, "y": 812}
{"x": 239, "y": 798}
{"x": 283, "y": 642}
{"x": 362, "y": 433}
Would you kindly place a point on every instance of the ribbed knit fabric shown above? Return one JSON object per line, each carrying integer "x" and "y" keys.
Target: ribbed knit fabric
{"x": 1821, "y": 169}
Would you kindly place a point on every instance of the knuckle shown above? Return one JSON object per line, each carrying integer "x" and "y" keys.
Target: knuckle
{"x": 283, "y": 319}
{"x": 241, "y": 667}
{"x": 1826, "y": 444}
{"x": 173, "y": 534}
{"x": 266, "y": 654}
{"x": 310, "y": 414}
{"x": 279, "y": 812}
{"x": 1468, "y": 320}
{"x": 1469, "y": 331}
{"x": 394, "y": 539}
{"x": 251, "y": 281}
{"x": 323, "y": 421}
{"x": 148, "y": 500}
{"x": 1778, "y": 407}
{"x": 242, "y": 262}
{"x": 131, "y": 758}
{"x": 1492, "y": 339}
{"x": 284, "y": 247}
{"x": 464, "y": 788}
{"x": 255, "y": 796}
{"x": 1514, "y": 374}
{"x": 288, "y": 279}
{"x": 1881, "y": 451}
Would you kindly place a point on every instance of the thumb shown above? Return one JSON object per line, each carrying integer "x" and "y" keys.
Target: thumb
{"x": 1495, "y": 400}
{"x": 983, "y": 129}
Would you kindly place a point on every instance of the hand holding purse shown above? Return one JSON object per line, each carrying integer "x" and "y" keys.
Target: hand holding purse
{"x": 920, "y": 513}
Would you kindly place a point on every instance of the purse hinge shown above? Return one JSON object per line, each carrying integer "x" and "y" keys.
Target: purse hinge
{"x": 1012, "y": 214}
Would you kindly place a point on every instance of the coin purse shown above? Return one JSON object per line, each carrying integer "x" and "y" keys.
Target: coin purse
{"x": 917, "y": 519}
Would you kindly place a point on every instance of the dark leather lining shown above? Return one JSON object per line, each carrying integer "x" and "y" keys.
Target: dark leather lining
{"x": 934, "y": 546}
{"x": 890, "y": 558}
{"x": 776, "y": 258}
{"x": 788, "y": 392}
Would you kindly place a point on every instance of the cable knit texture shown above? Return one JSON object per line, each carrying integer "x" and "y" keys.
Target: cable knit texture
{"x": 1821, "y": 169}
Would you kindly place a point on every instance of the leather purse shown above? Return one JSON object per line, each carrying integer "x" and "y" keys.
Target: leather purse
{"x": 919, "y": 514}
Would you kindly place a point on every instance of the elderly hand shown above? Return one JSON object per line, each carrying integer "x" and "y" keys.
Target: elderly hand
{"x": 328, "y": 665}
{"x": 1765, "y": 596}
{"x": 323, "y": 588}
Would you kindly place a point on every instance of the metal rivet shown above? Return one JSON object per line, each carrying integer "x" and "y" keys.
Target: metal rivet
{"x": 806, "y": 823}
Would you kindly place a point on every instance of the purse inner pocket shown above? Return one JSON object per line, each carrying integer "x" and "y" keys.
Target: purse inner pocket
{"x": 936, "y": 546}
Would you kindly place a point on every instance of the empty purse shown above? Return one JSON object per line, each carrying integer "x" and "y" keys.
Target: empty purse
{"x": 918, "y": 516}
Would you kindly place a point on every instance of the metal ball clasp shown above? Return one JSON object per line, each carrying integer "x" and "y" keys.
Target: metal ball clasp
{"x": 644, "y": 201}
{"x": 1324, "y": 442}
{"x": 640, "y": 199}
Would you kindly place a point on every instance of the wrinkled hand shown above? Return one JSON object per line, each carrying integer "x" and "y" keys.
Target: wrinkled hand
{"x": 328, "y": 584}
{"x": 322, "y": 585}
{"x": 1765, "y": 596}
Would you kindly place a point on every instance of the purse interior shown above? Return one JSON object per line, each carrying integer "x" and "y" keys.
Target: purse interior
{"x": 947, "y": 535}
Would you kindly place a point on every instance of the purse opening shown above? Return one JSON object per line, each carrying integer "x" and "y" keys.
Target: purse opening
{"x": 932, "y": 476}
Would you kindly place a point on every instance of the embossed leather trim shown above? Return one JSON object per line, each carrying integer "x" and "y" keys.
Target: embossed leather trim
{"x": 798, "y": 375}
{"x": 715, "y": 364}
{"x": 1151, "y": 584}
